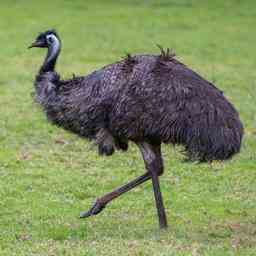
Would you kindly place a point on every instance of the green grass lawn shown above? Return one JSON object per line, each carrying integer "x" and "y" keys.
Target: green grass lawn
{"x": 47, "y": 175}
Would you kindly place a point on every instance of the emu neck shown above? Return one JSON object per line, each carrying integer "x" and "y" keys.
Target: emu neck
{"x": 51, "y": 58}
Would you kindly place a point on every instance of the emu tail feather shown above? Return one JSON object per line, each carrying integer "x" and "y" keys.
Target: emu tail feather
{"x": 213, "y": 143}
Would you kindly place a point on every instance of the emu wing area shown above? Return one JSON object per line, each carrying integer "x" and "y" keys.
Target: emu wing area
{"x": 146, "y": 97}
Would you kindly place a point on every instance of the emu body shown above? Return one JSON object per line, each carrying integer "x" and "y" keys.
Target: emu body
{"x": 147, "y": 99}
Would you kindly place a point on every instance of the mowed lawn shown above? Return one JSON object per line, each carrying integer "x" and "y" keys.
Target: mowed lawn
{"x": 47, "y": 175}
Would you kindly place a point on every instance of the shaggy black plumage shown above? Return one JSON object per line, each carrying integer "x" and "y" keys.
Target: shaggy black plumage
{"x": 142, "y": 98}
{"x": 145, "y": 97}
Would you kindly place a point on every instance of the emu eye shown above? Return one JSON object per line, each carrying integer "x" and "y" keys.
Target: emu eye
{"x": 50, "y": 39}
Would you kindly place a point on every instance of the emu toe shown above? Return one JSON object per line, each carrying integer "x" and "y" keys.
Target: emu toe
{"x": 95, "y": 209}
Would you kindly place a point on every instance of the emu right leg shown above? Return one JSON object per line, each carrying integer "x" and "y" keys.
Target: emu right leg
{"x": 101, "y": 202}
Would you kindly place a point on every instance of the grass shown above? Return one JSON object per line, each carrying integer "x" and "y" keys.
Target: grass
{"x": 47, "y": 176}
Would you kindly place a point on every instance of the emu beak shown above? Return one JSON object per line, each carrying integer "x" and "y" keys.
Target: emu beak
{"x": 36, "y": 44}
{"x": 32, "y": 45}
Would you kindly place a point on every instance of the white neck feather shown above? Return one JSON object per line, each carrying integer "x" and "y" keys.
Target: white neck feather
{"x": 54, "y": 45}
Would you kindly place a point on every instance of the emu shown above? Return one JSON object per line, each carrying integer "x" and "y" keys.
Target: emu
{"x": 146, "y": 99}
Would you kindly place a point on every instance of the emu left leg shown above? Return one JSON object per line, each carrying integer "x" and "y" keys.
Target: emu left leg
{"x": 154, "y": 164}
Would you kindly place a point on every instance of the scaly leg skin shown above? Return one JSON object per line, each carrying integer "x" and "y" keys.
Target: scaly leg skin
{"x": 159, "y": 201}
{"x": 101, "y": 202}
{"x": 96, "y": 208}
{"x": 153, "y": 162}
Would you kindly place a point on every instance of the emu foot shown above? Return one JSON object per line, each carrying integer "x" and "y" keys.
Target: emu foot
{"x": 96, "y": 208}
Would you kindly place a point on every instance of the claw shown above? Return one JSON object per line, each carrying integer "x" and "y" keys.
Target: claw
{"x": 96, "y": 208}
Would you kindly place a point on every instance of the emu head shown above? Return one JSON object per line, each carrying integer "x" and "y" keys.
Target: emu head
{"x": 51, "y": 41}
{"x": 47, "y": 39}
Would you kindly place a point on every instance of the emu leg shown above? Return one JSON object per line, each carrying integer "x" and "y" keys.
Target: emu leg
{"x": 153, "y": 162}
{"x": 159, "y": 201}
{"x": 101, "y": 202}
